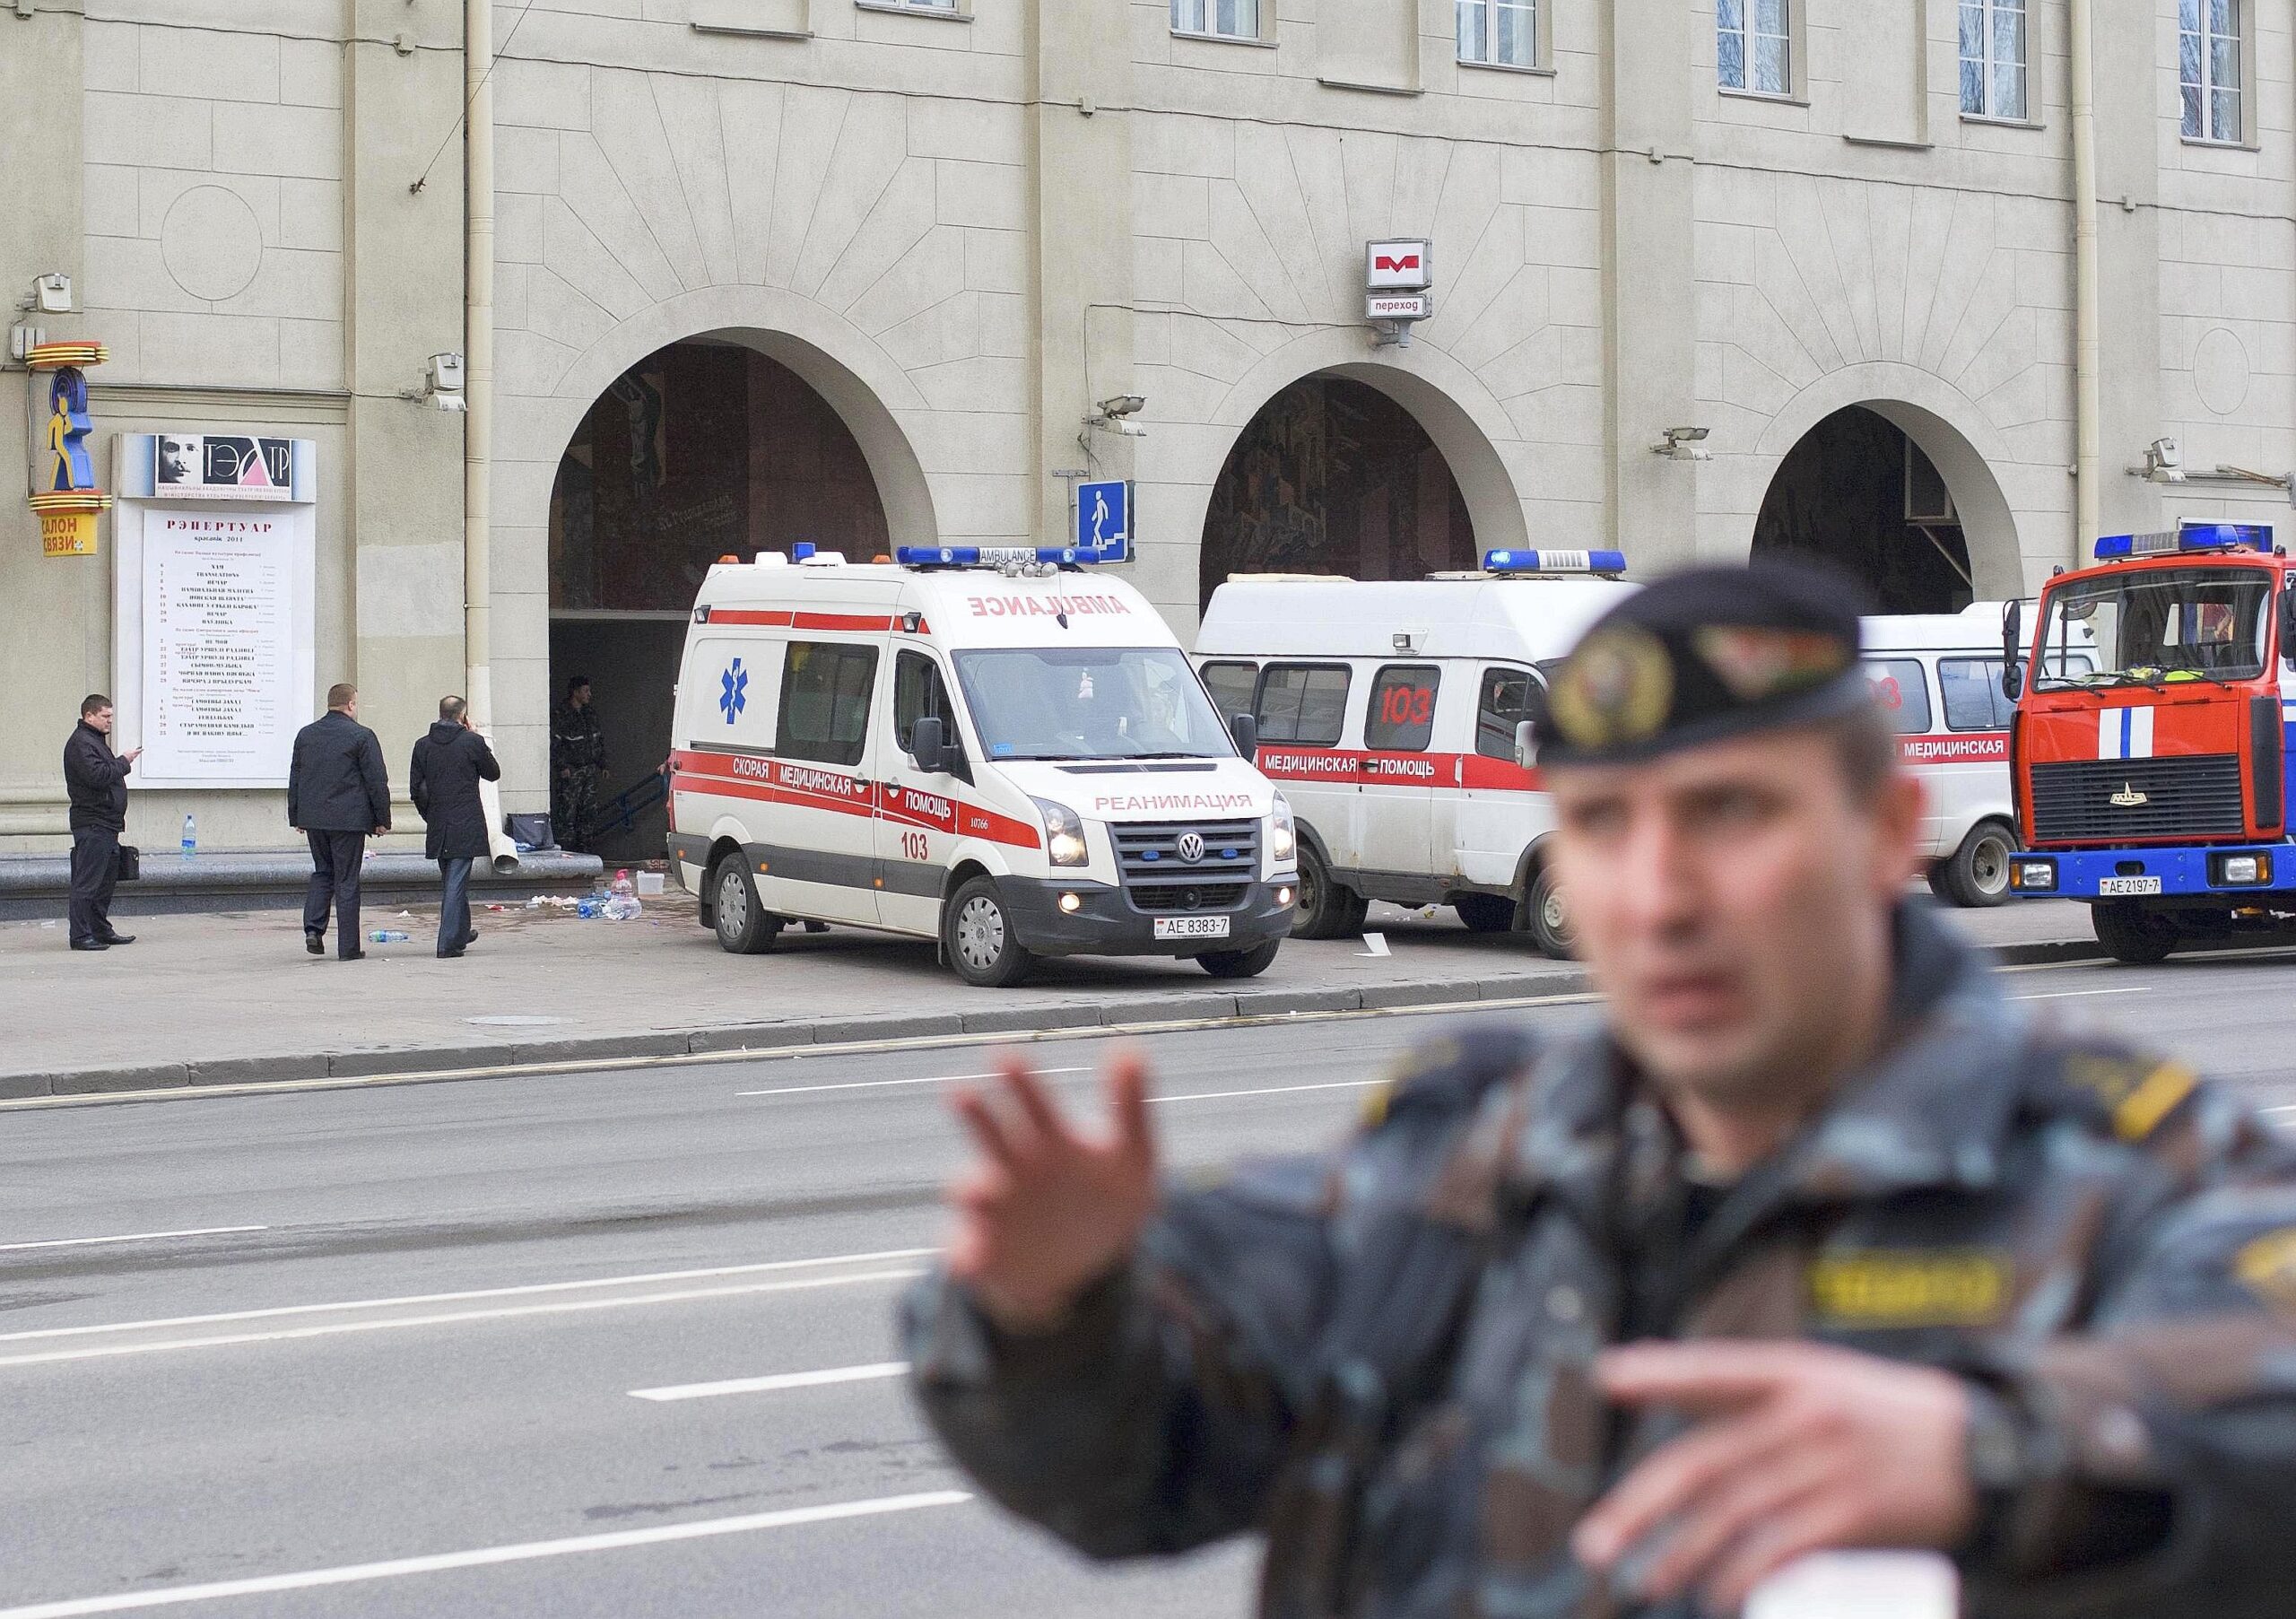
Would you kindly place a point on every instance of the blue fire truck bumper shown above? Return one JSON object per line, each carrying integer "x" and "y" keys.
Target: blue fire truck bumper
{"x": 2216, "y": 872}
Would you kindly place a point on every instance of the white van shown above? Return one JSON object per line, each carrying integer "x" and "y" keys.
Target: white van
{"x": 1939, "y": 678}
{"x": 989, "y": 747}
{"x": 1390, "y": 712}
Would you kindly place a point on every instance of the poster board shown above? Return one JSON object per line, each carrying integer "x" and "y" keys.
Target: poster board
{"x": 213, "y": 604}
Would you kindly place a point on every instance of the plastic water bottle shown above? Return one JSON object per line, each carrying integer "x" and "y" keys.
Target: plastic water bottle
{"x": 387, "y": 936}
{"x": 586, "y": 907}
{"x": 190, "y": 837}
{"x": 621, "y": 900}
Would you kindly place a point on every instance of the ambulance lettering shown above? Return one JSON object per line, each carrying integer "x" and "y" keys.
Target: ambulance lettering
{"x": 1310, "y": 764}
{"x": 1987, "y": 748}
{"x": 909, "y": 803}
{"x": 1164, "y": 803}
{"x": 746, "y": 765}
{"x": 804, "y": 779}
{"x": 1410, "y": 769}
{"x": 1045, "y": 607}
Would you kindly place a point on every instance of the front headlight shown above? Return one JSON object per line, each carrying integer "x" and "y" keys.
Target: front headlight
{"x": 1282, "y": 842}
{"x": 1064, "y": 834}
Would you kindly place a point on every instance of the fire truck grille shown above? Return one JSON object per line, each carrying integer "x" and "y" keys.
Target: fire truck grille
{"x": 1159, "y": 879}
{"x": 2104, "y": 800}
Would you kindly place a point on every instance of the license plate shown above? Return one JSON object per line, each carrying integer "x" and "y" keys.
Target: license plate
{"x": 1191, "y": 927}
{"x": 2111, "y": 887}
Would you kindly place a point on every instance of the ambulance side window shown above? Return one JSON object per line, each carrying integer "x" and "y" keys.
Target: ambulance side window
{"x": 1902, "y": 691}
{"x": 1230, "y": 687}
{"x": 1509, "y": 697}
{"x": 1402, "y": 716}
{"x": 825, "y": 688}
{"x": 1304, "y": 703}
{"x": 1971, "y": 687}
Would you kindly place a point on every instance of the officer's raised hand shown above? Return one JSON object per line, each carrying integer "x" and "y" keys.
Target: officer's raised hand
{"x": 1046, "y": 1211}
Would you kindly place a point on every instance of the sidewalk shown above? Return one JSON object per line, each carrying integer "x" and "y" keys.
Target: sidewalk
{"x": 232, "y": 998}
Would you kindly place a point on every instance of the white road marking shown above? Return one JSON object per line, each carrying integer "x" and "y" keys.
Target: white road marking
{"x": 879, "y": 1084}
{"x": 778, "y": 1380}
{"x": 440, "y": 1563}
{"x": 202, "y": 1230}
{"x": 2067, "y": 995}
{"x": 1337, "y": 1085}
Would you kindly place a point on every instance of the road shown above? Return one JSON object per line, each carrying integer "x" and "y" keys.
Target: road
{"x": 404, "y": 1350}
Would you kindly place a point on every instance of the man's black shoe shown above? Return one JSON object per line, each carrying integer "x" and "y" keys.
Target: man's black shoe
{"x": 450, "y": 955}
{"x": 314, "y": 942}
{"x": 90, "y": 944}
{"x": 356, "y": 955}
{"x": 119, "y": 938}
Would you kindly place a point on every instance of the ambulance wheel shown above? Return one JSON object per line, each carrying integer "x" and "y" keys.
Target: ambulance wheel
{"x": 1544, "y": 919}
{"x": 977, "y": 933}
{"x": 1326, "y": 908}
{"x": 1977, "y": 874}
{"x": 1485, "y": 913}
{"x": 2129, "y": 933}
{"x": 1239, "y": 963}
{"x": 745, "y": 927}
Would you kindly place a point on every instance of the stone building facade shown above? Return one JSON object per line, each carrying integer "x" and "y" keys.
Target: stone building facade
{"x": 944, "y": 232}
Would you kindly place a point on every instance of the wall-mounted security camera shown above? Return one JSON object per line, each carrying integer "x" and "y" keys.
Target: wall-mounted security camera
{"x": 2164, "y": 462}
{"x": 1683, "y": 444}
{"x": 51, "y": 294}
{"x": 442, "y": 384}
{"x": 1122, "y": 404}
{"x": 1110, "y": 415}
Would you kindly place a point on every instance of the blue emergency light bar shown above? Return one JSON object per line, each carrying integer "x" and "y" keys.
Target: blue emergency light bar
{"x": 998, "y": 556}
{"x": 2191, "y": 537}
{"x": 1605, "y": 563}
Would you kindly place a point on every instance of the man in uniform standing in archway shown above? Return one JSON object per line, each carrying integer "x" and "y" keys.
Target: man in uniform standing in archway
{"x": 1820, "y": 1242}
{"x": 577, "y": 761}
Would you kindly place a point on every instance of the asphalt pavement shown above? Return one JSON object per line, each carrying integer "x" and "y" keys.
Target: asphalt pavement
{"x": 618, "y": 1343}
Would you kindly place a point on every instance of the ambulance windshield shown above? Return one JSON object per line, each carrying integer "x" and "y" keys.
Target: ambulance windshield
{"x": 1090, "y": 703}
{"x": 2156, "y": 627}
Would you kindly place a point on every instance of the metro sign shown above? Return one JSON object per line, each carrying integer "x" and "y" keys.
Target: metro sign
{"x": 1399, "y": 267}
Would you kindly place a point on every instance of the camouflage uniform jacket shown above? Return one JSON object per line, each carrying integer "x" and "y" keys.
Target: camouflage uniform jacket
{"x": 577, "y": 742}
{"x": 2105, "y": 1248}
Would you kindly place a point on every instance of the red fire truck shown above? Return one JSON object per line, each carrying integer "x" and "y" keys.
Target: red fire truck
{"x": 2148, "y": 751}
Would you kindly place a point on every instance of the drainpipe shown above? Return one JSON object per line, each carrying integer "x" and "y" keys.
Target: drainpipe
{"x": 478, "y": 393}
{"x": 2087, "y": 351}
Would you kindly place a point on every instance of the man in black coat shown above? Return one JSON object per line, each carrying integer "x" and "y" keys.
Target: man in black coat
{"x": 95, "y": 779}
{"x": 442, "y": 779}
{"x": 338, "y": 794}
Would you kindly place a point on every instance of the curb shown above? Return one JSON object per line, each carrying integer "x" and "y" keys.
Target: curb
{"x": 732, "y": 1041}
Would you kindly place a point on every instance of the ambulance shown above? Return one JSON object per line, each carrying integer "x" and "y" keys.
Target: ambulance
{"x": 1392, "y": 714}
{"x": 995, "y": 748}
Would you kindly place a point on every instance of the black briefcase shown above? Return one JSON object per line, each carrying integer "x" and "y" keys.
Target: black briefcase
{"x": 131, "y": 863}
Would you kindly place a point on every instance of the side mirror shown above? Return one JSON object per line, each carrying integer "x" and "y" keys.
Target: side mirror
{"x": 1527, "y": 743}
{"x": 928, "y": 744}
{"x": 2012, "y": 679}
{"x": 1244, "y": 729}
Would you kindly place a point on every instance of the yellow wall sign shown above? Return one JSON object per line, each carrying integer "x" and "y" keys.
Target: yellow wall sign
{"x": 68, "y": 533}
{"x": 66, "y": 499}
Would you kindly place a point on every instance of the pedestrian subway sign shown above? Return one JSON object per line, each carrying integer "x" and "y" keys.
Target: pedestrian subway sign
{"x": 1104, "y": 520}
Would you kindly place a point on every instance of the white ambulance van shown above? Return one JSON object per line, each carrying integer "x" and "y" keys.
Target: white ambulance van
{"x": 1939, "y": 678}
{"x": 997, "y": 749}
{"x": 1390, "y": 711}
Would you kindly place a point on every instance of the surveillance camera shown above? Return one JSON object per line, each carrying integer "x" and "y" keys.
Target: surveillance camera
{"x": 1121, "y": 404}
{"x": 52, "y": 293}
{"x": 1688, "y": 435}
{"x": 445, "y": 376}
{"x": 2168, "y": 454}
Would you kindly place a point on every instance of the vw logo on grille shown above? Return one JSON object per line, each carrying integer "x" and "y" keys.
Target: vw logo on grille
{"x": 1190, "y": 847}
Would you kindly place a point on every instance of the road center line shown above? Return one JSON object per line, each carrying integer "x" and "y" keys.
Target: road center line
{"x": 880, "y": 1084}
{"x": 1337, "y": 1085}
{"x": 777, "y": 1380}
{"x": 523, "y": 1291}
{"x": 202, "y": 1230}
{"x": 2067, "y": 995}
{"x": 485, "y": 1556}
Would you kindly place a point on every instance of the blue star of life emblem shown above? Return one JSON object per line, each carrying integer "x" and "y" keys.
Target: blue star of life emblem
{"x": 734, "y": 695}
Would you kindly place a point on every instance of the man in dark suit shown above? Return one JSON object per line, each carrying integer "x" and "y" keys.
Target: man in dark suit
{"x": 442, "y": 779}
{"x": 95, "y": 780}
{"x": 338, "y": 794}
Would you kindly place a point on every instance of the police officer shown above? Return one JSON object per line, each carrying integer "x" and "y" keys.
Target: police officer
{"x": 577, "y": 758}
{"x": 1822, "y": 1242}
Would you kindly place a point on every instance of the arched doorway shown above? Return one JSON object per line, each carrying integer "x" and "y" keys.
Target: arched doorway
{"x": 1892, "y": 495}
{"x": 1332, "y": 475}
{"x": 703, "y": 450}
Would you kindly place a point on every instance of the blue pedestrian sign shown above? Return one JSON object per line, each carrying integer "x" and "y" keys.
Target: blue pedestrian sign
{"x": 1104, "y": 518}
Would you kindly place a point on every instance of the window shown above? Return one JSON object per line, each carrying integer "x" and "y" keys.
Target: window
{"x": 1992, "y": 58}
{"x": 1220, "y": 19}
{"x": 1303, "y": 703}
{"x": 919, "y": 693}
{"x": 1509, "y": 697}
{"x": 825, "y": 689}
{"x": 1754, "y": 48}
{"x": 1973, "y": 696}
{"x": 1090, "y": 703}
{"x": 1230, "y": 686}
{"x": 1402, "y": 716}
{"x": 1499, "y": 32}
{"x": 2208, "y": 68}
{"x": 1899, "y": 687}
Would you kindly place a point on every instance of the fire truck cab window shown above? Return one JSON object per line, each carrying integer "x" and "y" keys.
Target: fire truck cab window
{"x": 2157, "y": 627}
{"x": 1902, "y": 692}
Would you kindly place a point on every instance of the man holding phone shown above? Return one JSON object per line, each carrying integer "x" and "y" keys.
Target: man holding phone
{"x": 442, "y": 779}
{"x": 95, "y": 781}
{"x": 1821, "y": 1243}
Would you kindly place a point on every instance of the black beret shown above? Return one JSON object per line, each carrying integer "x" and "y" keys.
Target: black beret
{"x": 1705, "y": 654}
